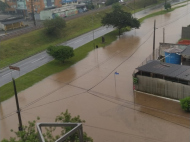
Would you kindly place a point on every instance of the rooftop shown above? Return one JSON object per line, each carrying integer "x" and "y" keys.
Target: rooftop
{"x": 170, "y": 70}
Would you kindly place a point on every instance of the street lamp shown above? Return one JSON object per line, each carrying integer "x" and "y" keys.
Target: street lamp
{"x": 93, "y": 29}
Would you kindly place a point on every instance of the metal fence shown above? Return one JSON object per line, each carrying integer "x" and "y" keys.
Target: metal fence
{"x": 162, "y": 87}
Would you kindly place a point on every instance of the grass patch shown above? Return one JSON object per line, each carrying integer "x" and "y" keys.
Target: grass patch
{"x": 160, "y": 13}
{"x": 53, "y": 67}
{"x": 21, "y": 47}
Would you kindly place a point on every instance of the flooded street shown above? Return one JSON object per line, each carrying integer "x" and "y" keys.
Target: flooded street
{"x": 104, "y": 100}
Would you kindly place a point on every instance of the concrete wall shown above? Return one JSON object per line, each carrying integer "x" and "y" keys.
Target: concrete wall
{"x": 162, "y": 87}
{"x": 160, "y": 107}
{"x": 185, "y": 33}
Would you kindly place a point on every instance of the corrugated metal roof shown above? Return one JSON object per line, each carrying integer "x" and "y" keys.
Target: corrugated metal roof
{"x": 186, "y": 52}
{"x": 11, "y": 21}
{"x": 173, "y": 50}
{"x": 166, "y": 69}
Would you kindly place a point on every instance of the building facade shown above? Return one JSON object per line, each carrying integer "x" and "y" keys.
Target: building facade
{"x": 25, "y": 6}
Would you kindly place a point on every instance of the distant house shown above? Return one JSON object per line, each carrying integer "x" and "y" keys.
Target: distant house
{"x": 11, "y": 23}
{"x": 64, "y": 11}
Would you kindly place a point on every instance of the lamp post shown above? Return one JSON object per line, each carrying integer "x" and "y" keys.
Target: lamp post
{"x": 93, "y": 29}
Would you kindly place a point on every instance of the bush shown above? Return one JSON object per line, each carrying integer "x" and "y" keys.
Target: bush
{"x": 185, "y": 104}
{"x": 60, "y": 52}
{"x": 167, "y": 6}
{"x": 110, "y": 2}
{"x": 54, "y": 26}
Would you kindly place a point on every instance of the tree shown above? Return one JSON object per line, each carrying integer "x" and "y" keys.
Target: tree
{"x": 29, "y": 133}
{"x": 185, "y": 104}
{"x": 3, "y": 6}
{"x": 110, "y": 2}
{"x": 54, "y": 26}
{"x": 167, "y": 6}
{"x": 66, "y": 117}
{"x": 60, "y": 52}
{"x": 120, "y": 19}
{"x": 90, "y": 6}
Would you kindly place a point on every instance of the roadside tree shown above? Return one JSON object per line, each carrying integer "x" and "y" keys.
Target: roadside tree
{"x": 167, "y": 6}
{"x": 54, "y": 26}
{"x": 3, "y": 6}
{"x": 29, "y": 133}
{"x": 110, "y": 2}
{"x": 60, "y": 52}
{"x": 120, "y": 19}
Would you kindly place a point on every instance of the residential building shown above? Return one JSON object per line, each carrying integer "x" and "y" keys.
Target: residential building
{"x": 24, "y": 7}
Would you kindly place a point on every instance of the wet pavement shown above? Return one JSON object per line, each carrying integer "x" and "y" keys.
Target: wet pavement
{"x": 106, "y": 101}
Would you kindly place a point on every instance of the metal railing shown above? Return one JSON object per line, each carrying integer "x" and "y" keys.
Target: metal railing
{"x": 77, "y": 127}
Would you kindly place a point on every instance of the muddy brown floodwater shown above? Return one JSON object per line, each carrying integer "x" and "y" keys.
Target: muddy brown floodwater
{"x": 90, "y": 89}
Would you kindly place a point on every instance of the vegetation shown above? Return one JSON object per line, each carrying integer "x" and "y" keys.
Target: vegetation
{"x": 54, "y": 26}
{"x": 52, "y": 67}
{"x": 3, "y": 6}
{"x": 159, "y": 13}
{"x": 12, "y": 50}
{"x": 110, "y": 2}
{"x": 120, "y": 19}
{"x": 185, "y": 104}
{"x": 167, "y": 6}
{"x": 29, "y": 133}
{"x": 60, "y": 53}
{"x": 90, "y": 6}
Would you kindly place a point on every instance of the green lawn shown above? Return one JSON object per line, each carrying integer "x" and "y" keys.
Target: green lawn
{"x": 21, "y": 47}
{"x": 159, "y": 13}
{"x": 52, "y": 67}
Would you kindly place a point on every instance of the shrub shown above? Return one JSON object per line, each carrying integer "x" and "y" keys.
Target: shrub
{"x": 167, "y": 6}
{"x": 60, "y": 52}
{"x": 54, "y": 26}
{"x": 110, "y": 2}
{"x": 185, "y": 104}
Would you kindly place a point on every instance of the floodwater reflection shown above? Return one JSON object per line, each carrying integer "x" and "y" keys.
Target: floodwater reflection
{"x": 106, "y": 101}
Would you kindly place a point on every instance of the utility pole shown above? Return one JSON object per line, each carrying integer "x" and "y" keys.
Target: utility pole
{"x": 154, "y": 39}
{"x": 17, "y": 105}
{"x": 32, "y": 10}
{"x": 163, "y": 35}
{"x": 93, "y": 31}
{"x": 134, "y": 8}
{"x": 16, "y": 98}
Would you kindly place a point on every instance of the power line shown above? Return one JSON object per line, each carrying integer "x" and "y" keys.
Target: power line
{"x": 105, "y": 129}
{"x": 185, "y": 14}
{"x": 33, "y": 102}
{"x": 134, "y": 104}
{"x": 83, "y": 75}
{"x": 120, "y": 64}
{"x": 53, "y": 101}
{"x": 136, "y": 110}
{"x": 92, "y": 69}
{"x": 123, "y": 133}
{"x": 110, "y": 130}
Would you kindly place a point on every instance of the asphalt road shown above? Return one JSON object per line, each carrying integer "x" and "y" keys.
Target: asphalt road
{"x": 42, "y": 58}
